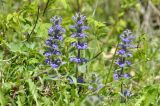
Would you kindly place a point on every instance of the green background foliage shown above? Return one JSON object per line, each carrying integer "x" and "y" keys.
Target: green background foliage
{"x": 25, "y": 79}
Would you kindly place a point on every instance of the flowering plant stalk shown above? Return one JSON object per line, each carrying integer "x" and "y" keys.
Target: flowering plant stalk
{"x": 122, "y": 61}
{"x": 79, "y": 34}
{"x": 53, "y": 43}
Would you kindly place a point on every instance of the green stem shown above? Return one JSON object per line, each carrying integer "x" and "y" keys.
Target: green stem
{"x": 122, "y": 95}
{"x": 110, "y": 68}
{"x": 121, "y": 73}
{"x": 78, "y": 56}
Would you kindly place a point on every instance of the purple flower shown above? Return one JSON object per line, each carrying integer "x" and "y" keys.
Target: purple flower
{"x": 48, "y": 42}
{"x": 81, "y": 35}
{"x": 56, "y": 63}
{"x": 47, "y": 61}
{"x": 55, "y": 46}
{"x": 126, "y": 93}
{"x": 50, "y": 31}
{"x": 56, "y": 52}
{"x": 126, "y": 75}
{"x": 57, "y": 27}
{"x": 85, "y": 27}
{"x": 121, "y": 52}
{"x": 129, "y": 54}
{"x": 79, "y": 26}
{"x": 73, "y": 35}
{"x": 123, "y": 55}
{"x": 78, "y": 60}
{"x": 55, "y": 36}
{"x": 124, "y": 46}
{"x": 83, "y": 60}
{"x": 127, "y": 37}
{"x": 74, "y": 44}
{"x": 79, "y": 22}
{"x": 126, "y": 40}
{"x": 80, "y": 79}
{"x": 124, "y": 52}
{"x": 58, "y": 37}
{"x": 120, "y": 63}
{"x": 75, "y": 59}
{"x": 115, "y": 76}
{"x": 128, "y": 63}
{"x": 74, "y": 18}
{"x": 47, "y": 54}
{"x": 82, "y": 46}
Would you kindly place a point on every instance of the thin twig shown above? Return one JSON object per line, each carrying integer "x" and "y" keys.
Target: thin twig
{"x": 34, "y": 24}
{"x": 96, "y": 55}
{"x": 46, "y": 7}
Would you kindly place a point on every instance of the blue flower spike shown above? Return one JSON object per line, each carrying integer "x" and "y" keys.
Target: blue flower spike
{"x": 55, "y": 33}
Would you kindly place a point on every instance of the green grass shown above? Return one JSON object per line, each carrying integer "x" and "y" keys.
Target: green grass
{"x": 25, "y": 79}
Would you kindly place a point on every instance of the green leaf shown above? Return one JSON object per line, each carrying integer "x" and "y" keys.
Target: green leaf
{"x": 33, "y": 61}
{"x": 3, "y": 100}
{"x": 15, "y": 47}
{"x": 82, "y": 68}
{"x": 33, "y": 91}
{"x": 42, "y": 29}
{"x": 69, "y": 40}
{"x": 9, "y": 17}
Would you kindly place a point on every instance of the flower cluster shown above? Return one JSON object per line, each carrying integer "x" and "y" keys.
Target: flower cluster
{"x": 124, "y": 53}
{"x": 55, "y": 36}
{"x": 80, "y": 44}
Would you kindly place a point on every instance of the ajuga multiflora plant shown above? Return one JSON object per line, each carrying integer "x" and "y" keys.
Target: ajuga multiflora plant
{"x": 53, "y": 52}
{"x": 80, "y": 43}
{"x": 123, "y": 61}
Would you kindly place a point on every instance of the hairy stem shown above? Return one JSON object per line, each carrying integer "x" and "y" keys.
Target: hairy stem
{"x": 121, "y": 73}
{"x": 79, "y": 53}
